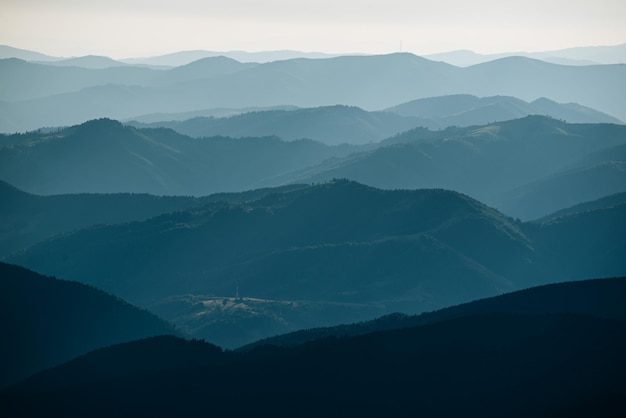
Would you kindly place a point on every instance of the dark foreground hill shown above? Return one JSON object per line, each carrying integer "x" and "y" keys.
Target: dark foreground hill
{"x": 601, "y": 298}
{"x": 48, "y": 321}
{"x": 327, "y": 254}
{"x": 489, "y": 364}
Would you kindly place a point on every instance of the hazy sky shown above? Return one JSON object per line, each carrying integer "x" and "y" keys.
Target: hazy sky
{"x": 135, "y": 28}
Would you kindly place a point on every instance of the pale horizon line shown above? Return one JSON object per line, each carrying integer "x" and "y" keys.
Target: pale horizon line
{"x": 261, "y": 51}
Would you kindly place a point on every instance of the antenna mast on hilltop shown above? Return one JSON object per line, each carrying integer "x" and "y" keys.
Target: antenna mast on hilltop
{"x": 236, "y": 290}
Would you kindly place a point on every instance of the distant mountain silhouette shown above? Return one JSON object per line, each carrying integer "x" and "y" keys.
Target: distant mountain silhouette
{"x": 343, "y": 124}
{"x": 186, "y": 57}
{"x": 175, "y": 59}
{"x": 94, "y": 62}
{"x": 48, "y": 321}
{"x": 7, "y": 51}
{"x": 331, "y": 125}
{"x": 205, "y": 113}
{"x": 467, "y": 110}
{"x": 585, "y": 55}
{"x": 364, "y": 251}
{"x": 592, "y": 55}
{"x": 201, "y": 69}
{"x": 25, "y": 81}
{"x": 369, "y": 82}
{"x": 488, "y": 365}
{"x": 571, "y": 112}
{"x": 104, "y": 156}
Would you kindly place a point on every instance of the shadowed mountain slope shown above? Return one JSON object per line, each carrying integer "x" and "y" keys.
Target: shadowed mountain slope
{"x": 603, "y": 203}
{"x": 503, "y": 164}
{"x": 365, "y": 251}
{"x": 494, "y": 365}
{"x": 27, "y": 219}
{"x": 601, "y": 173}
{"x": 212, "y": 248}
{"x": 579, "y": 237}
{"x": 601, "y": 298}
{"x": 566, "y": 188}
{"x": 358, "y": 252}
{"x": 49, "y": 321}
{"x": 489, "y": 162}
{"x": 104, "y": 156}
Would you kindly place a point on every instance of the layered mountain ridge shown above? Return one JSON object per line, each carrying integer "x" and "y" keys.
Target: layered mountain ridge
{"x": 505, "y": 164}
{"x": 562, "y": 359}
{"x": 328, "y": 253}
{"x": 381, "y": 235}
{"x": 80, "y": 94}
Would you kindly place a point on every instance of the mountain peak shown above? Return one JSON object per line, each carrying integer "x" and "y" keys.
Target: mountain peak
{"x": 99, "y": 126}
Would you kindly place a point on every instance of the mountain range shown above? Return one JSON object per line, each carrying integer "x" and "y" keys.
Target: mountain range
{"x": 515, "y": 166}
{"x": 558, "y": 358}
{"x": 37, "y": 95}
{"x": 468, "y": 110}
{"x": 103, "y": 156}
{"x": 571, "y": 163}
{"x": 327, "y": 254}
{"x": 590, "y": 55}
{"x": 299, "y": 234}
{"x": 593, "y": 55}
{"x": 334, "y": 125}
{"x": 28, "y": 219}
